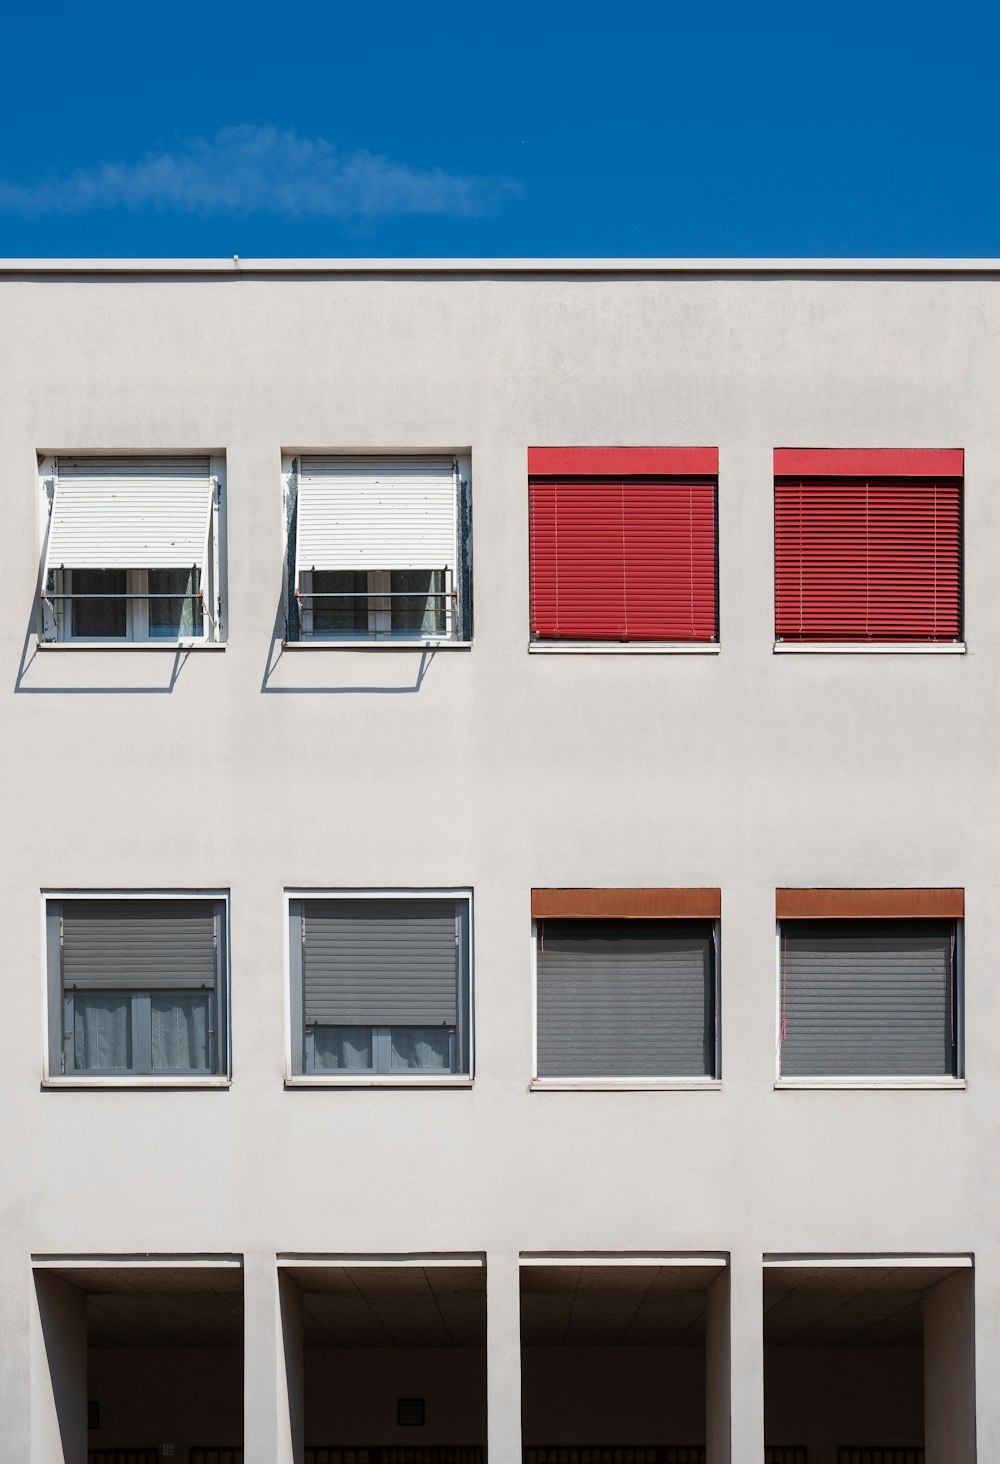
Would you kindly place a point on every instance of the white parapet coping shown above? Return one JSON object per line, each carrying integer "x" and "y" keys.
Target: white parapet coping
{"x": 235, "y": 265}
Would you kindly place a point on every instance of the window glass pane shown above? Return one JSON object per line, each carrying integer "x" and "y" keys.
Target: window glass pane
{"x": 418, "y": 613}
{"x": 180, "y": 1022}
{"x": 343, "y": 616}
{"x": 421, "y": 1047}
{"x": 175, "y": 617}
{"x": 99, "y": 617}
{"x": 336, "y": 1048}
{"x": 102, "y": 1030}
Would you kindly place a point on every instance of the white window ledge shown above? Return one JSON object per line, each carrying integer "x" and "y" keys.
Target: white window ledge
{"x": 954, "y": 1085}
{"x": 124, "y": 645}
{"x": 378, "y": 1080}
{"x": 625, "y": 1085}
{"x": 624, "y": 648}
{"x": 376, "y": 645}
{"x": 870, "y": 648}
{"x": 136, "y": 1080}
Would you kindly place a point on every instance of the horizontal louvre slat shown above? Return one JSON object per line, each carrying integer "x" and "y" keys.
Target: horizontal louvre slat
{"x": 135, "y": 513}
{"x": 624, "y": 998}
{"x": 375, "y": 513}
{"x": 623, "y": 560}
{"x": 380, "y": 962}
{"x": 867, "y": 1000}
{"x": 138, "y": 944}
{"x": 877, "y": 560}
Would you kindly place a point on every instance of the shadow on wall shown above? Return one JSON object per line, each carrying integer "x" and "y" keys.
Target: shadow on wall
{"x": 154, "y": 678}
{"x": 319, "y": 663}
{"x": 127, "y": 670}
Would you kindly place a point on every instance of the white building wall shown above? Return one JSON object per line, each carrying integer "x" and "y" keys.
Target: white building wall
{"x": 499, "y": 771}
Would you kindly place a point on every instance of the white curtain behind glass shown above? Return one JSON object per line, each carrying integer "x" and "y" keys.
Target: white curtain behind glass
{"x": 174, "y": 617}
{"x": 180, "y": 1022}
{"x": 101, "y": 1030}
{"x": 342, "y": 1047}
{"x": 421, "y": 1047}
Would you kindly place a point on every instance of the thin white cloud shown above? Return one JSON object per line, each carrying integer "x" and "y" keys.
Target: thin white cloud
{"x": 245, "y": 170}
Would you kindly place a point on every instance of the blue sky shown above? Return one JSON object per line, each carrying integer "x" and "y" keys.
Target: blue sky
{"x": 633, "y": 129}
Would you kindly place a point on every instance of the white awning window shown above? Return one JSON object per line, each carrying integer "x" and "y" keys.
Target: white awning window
{"x": 375, "y": 514}
{"x": 130, "y": 513}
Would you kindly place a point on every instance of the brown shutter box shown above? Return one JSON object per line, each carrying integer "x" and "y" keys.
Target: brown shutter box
{"x": 948, "y": 904}
{"x": 604, "y": 904}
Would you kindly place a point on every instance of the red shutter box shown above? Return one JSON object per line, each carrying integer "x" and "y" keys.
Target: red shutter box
{"x": 868, "y": 544}
{"x": 622, "y": 543}
{"x": 555, "y": 462}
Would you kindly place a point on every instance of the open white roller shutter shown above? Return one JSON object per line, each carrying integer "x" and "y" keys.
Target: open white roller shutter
{"x": 135, "y": 513}
{"x": 375, "y": 513}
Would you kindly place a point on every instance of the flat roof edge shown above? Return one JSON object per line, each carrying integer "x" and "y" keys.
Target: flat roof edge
{"x": 233, "y": 266}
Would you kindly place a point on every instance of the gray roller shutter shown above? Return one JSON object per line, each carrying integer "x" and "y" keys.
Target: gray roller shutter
{"x": 867, "y": 998}
{"x": 138, "y": 944}
{"x": 380, "y": 962}
{"x": 625, "y": 998}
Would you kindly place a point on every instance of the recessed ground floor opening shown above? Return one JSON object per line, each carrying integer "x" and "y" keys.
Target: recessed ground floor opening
{"x": 141, "y": 1361}
{"x": 393, "y": 1359}
{"x": 869, "y": 1360}
{"x": 613, "y": 1358}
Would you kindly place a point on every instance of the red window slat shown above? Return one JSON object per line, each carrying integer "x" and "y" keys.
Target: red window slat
{"x": 876, "y": 559}
{"x": 623, "y": 559}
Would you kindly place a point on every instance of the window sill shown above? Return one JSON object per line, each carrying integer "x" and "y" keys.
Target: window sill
{"x": 954, "y": 1085}
{"x": 119, "y": 646}
{"x": 136, "y": 1080}
{"x": 377, "y": 1080}
{"x": 624, "y": 648}
{"x": 870, "y": 648}
{"x": 376, "y": 645}
{"x": 625, "y": 1085}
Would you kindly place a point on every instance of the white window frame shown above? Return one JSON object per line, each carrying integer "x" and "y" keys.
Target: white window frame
{"x": 367, "y": 1078}
{"x": 954, "y": 1084}
{"x": 380, "y": 634}
{"x": 53, "y": 1077}
{"x": 136, "y": 637}
{"x": 624, "y": 1085}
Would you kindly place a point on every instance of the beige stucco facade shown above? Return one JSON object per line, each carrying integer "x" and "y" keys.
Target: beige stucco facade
{"x": 254, "y": 771}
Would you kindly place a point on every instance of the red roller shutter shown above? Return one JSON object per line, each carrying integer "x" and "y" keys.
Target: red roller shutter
{"x": 625, "y": 557}
{"x": 868, "y": 558}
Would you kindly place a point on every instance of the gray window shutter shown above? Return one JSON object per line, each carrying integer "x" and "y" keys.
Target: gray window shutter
{"x": 867, "y": 998}
{"x": 138, "y": 944}
{"x": 380, "y": 962}
{"x": 625, "y": 998}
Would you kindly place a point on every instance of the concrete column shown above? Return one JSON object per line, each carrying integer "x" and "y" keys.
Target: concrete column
{"x": 950, "y": 1371}
{"x": 717, "y": 1380}
{"x": 503, "y": 1358}
{"x": 15, "y": 1330}
{"x": 734, "y": 1364}
{"x": 272, "y": 1364}
{"x": 58, "y": 1371}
